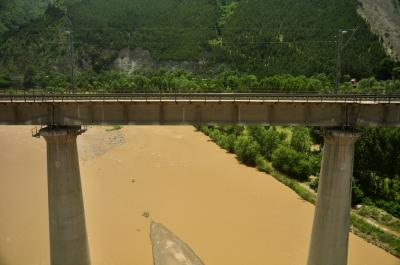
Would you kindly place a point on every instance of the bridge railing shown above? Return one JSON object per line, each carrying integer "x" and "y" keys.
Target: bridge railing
{"x": 33, "y": 96}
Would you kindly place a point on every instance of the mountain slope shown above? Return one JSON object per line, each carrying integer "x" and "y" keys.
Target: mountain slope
{"x": 263, "y": 37}
{"x": 299, "y": 37}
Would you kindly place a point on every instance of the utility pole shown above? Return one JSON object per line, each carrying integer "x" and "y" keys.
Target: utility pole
{"x": 71, "y": 58}
{"x": 339, "y": 45}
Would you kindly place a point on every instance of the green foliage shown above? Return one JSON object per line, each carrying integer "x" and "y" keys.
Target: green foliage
{"x": 297, "y": 37}
{"x": 226, "y": 10}
{"x": 268, "y": 138}
{"x": 317, "y": 83}
{"x": 291, "y": 162}
{"x": 246, "y": 148}
{"x": 228, "y": 143}
{"x": 396, "y": 73}
{"x": 14, "y": 13}
{"x": 5, "y": 81}
{"x": 376, "y": 233}
{"x": 170, "y": 29}
{"x": 301, "y": 139}
{"x": 380, "y": 216}
{"x": 263, "y": 165}
{"x": 29, "y": 77}
{"x": 385, "y": 68}
{"x": 314, "y": 184}
{"x": 377, "y": 167}
{"x": 271, "y": 140}
{"x": 239, "y": 33}
{"x": 357, "y": 195}
{"x": 303, "y": 192}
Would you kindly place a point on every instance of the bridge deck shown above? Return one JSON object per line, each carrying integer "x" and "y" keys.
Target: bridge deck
{"x": 197, "y": 108}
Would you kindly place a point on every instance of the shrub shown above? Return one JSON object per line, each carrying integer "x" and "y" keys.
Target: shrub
{"x": 247, "y": 149}
{"x": 271, "y": 141}
{"x": 263, "y": 165}
{"x": 215, "y": 135}
{"x": 314, "y": 184}
{"x": 301, "y": 139}
{"x": 4, "y": 81}
{"x": 291, "y": 162}
{"x": 396, "y": 73}
{"x": 228, "y": 142}
{"x": 357, "y": 193}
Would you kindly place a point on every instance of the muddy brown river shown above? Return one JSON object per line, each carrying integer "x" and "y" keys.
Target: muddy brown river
{"x": 228, "y": 213}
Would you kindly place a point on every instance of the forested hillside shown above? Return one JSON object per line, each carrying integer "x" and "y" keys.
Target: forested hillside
{"x": 298, "y": 37}
{"x": 15, "y": 13}
{"x": 261, "y": 37}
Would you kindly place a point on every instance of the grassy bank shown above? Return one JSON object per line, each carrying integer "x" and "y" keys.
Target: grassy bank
{"x": 359, "y": 226}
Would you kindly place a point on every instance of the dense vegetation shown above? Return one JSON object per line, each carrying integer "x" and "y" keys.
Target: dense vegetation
{"x": 257, "y": 37}
{"x": 295, "y": 152}
{"x": 298, "y": 37}
{"x": 377, "y": 169}
{"x": 288, "y": 149}
{"x": 170, "y": 29}
{"x": 182, "y": 81}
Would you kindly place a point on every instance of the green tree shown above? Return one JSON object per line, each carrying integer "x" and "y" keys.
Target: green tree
{"x": 228, "y": 142}
{"x": 246, "y": 148}
{"x": 291, "y": 162}
{"x": 396, "y": 73}
{"x": 377, "y": 167}
{"x": 301, "y": 139}
{"x": 270, "y": 142}
{"x": 29, "y": 77}
{"x": 385, "y": 68}
{"x": 4, "y": 81}
{"x": 357, "y": 193}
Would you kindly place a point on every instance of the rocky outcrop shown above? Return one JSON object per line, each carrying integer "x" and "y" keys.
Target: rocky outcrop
{"x": 383, "y": 16}
{"x": 133, "y": 60}
{"x": 140, "y": 59}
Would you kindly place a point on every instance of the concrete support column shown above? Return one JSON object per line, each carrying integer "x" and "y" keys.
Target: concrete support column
{"x": 330, "y": 233}
{"x": 68, "y": 238}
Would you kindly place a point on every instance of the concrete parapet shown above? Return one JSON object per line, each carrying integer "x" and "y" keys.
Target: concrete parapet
{"x": 68, "y": 237}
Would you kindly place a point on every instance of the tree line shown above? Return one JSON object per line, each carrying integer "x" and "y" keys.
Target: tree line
{"x": 224, "y": 80}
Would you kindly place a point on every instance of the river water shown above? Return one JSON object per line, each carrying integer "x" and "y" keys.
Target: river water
{"x": 228, "y": 213}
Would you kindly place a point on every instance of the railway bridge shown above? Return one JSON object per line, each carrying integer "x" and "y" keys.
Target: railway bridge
{"x": 61, "y": 117}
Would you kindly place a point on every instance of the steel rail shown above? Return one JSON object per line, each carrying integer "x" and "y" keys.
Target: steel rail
{"x": 33, "y": 97}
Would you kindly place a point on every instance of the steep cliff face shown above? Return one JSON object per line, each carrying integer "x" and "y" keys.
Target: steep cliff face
{"x": 383, "y": 16}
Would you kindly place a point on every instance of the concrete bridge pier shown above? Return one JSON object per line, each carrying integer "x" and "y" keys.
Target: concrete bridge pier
{"x": 330, "y": 233}
{"x": 68, "y": 237}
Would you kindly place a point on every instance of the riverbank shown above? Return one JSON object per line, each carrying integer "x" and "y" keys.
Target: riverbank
{"x": 372, "y": 224}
